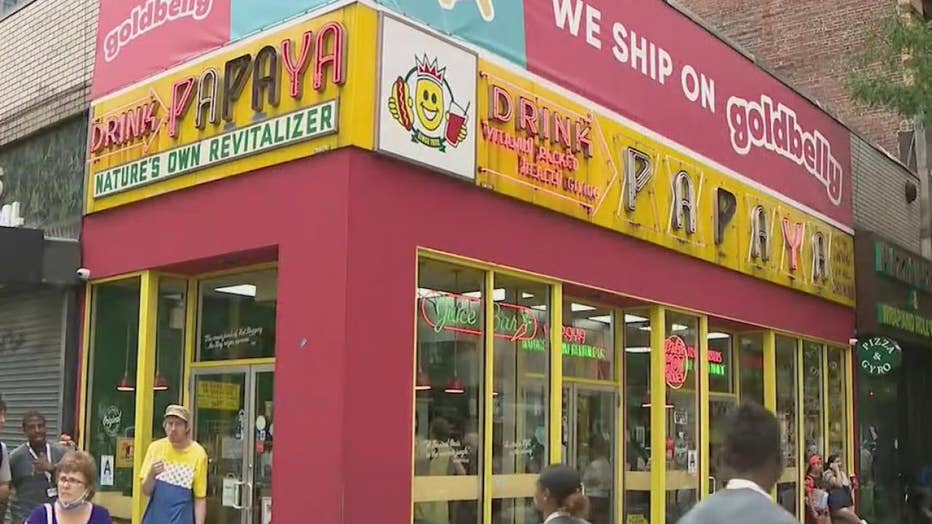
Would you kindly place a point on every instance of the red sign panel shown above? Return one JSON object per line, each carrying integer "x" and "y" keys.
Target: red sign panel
{"x": 138, "y": 38}
{"x": 651, "y": 64}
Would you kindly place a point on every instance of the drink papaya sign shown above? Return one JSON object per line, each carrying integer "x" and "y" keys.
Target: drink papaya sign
{"x": 546, "y": 149}
{"x": 276, "y": 98}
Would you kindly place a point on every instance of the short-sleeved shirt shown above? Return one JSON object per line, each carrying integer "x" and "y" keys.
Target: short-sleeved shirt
{"x": 31, "y": 489}
{"x": 4, "y": 464}
{"x": 184, "y": 479}
{"x": 99, "y": 515}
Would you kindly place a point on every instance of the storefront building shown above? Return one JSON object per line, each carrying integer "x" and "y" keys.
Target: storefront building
{"x": 893, "y": 366}
{"x": 351, "y": 252}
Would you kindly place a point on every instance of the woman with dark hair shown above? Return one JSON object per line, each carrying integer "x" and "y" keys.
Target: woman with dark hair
{"x": 840, "y": 500}
{"x": 559, "y": 496}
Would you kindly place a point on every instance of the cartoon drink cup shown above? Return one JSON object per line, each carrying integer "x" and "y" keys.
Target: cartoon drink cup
{"x": 456, "y": 119}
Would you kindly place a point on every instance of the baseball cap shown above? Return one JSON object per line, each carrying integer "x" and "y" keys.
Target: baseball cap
{"x": 815, "y": 460}
{"x": 560, "y": 480}
{"x": 181, "y": 412}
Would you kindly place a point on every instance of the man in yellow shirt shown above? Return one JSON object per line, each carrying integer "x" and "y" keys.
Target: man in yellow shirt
{"x": 174, "y": 474}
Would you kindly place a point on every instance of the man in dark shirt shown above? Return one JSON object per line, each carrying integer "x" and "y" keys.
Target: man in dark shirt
{"x": 32, "y": 466}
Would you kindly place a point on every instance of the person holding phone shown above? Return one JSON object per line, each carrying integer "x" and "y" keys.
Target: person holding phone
{"x": 840, "y": 500}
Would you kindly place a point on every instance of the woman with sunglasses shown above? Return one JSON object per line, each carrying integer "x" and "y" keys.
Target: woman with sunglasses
{"x": 75, "y": 476}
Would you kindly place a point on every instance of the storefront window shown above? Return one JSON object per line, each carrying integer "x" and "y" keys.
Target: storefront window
{"x": 637, "y": 412}
{"x": 169, "y": 349}
{"x": 681, "y": 349}
{"x": 237, "y": 316}
{"x": 590, "y": 406}
{"x": 751, "y": 368}
{"x": 812, "y": 400}
{"x": 587, "y": 341}
{"x": 786, "y": 352}
{"x": 111, "y": 404}
{"x": 837, "y": 405}
{"x": 722, "y": 398}
{"x": 449, "y": 388}
{"x": 520, "y": 399}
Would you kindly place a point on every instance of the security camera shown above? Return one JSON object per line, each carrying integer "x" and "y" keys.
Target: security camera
{"x": 83, "y": 273}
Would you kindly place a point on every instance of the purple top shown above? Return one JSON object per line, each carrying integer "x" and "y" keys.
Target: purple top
{"x": 99, "y": 515}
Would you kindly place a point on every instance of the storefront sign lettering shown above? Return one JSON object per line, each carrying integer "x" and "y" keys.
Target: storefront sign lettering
{"x": 215, "y": 91}
{"x": 233, "y": 338}
{"x": 273, "y": 92}
{"x": 451, "y": 448}
{"x": 149, "y": 16}
{"x": 111, "y": 420}
{"x": 546, "y": 139}
{"x": 451, "y": 312}
{"x": 648, "y": 189}
{"x": 903, "y": 266}
{"x": 775, "y": 127}
{"x": 306, "y": 124}
{"x": 908, "y": 321}
{"x": 140, "y": 123}
{"x": 676, "y": 355}
{"x": 879, "y": 355}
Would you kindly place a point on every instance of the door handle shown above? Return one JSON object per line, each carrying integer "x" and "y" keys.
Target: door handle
{"x": 250, "y": 497}
{"x": 239, "y": 495}
{"x": 714, "y": 483}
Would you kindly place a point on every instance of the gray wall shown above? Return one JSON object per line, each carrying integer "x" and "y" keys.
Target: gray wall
{"x": 46, "y": 62}
{"x": 879, "y": 196}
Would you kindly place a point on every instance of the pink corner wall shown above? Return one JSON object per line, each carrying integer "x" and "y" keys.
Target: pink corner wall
{"x": 347, "y": 226}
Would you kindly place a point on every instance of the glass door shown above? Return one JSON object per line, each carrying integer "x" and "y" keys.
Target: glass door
{"x": 590, "y": 415}
{"x": 233, "y": 422}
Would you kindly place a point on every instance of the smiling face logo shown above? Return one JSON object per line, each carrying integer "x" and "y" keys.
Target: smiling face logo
{"x": 423, "y": 102}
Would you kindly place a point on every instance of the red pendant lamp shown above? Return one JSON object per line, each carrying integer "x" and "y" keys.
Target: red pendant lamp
{"x": 646, "y": 403}
{"x": 423, "y": 382}
{"x": 126, "y": 383}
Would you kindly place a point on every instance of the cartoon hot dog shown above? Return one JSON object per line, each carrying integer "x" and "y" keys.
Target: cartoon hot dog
{"x": 399, "y": 103}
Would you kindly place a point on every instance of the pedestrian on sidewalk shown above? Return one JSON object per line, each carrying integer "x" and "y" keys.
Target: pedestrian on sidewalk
{"x": 174, "y": 474}
{"x": 752, "y": 454}
{"x": 32, "y": 466}
{"x": 5, "y": 477}
{"x": 75, "y": 480}
{"x": 560, "y": 497}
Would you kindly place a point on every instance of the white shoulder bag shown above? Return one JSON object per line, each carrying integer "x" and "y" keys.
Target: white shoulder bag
{"x": 48, "y": 513}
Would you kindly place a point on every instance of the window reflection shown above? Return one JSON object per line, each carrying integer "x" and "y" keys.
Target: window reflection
{"x": 637, "y": 412}
{"x": 812, "y": 399}
{"x": 237, "y": 316}
{"x": 837, "y": 404}
{"x": 448, "y": 437}
{"x": 786, "y": 351}
{"x": 520, "y": 398}
{"x": 681, "y": 347}
{"x": 751, "y": 366}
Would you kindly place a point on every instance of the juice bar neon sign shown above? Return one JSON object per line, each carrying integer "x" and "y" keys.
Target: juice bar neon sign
{"x": 515, "y": 323}
{"x": 459, "y": 313}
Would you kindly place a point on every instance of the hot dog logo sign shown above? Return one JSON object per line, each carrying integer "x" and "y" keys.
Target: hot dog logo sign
{"x": 424, "y": 104}
{"x": 427, "y": 100}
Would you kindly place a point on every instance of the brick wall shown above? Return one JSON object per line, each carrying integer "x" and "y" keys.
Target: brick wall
{"x": 809, "y": 43}
{"x": 46, "y": 62}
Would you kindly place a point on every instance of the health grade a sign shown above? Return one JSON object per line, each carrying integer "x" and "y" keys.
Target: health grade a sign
{"x": 270, "y": 100}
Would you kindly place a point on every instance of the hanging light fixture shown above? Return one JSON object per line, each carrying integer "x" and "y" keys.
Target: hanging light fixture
{"x": 423, "y": 381}
{"x": 455, "y": 386}
{"x": 161, "y": 383}
{"x": 646, "y": 403}
{"x": 126, "y": 383}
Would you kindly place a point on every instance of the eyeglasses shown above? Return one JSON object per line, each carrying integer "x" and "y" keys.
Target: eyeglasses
{"x": 70, "y": 480}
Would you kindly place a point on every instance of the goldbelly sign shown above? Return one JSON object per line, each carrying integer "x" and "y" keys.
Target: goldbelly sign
{"x": 254, "y": 105}
{"x": 555, "y": 152}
